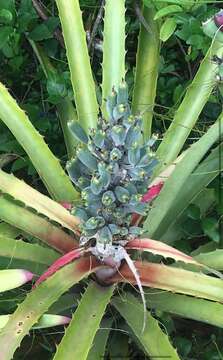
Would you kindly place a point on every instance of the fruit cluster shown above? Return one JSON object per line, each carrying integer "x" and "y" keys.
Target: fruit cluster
{"x": 112, "y": 169}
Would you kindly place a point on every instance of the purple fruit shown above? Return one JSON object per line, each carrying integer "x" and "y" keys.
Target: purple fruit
{"x": 218, "y": 19}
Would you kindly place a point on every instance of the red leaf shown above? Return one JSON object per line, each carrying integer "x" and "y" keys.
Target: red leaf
{"x": 151, "y": 194}
{"x": 63, "y": 260}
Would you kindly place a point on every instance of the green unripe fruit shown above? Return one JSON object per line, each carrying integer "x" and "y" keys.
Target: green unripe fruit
{"x": 108, "y": 198}
{"x": 115, "y": 154}
{"x": 122, "y": 194}
{"x": 94, "y": 223}
{"x": 112, "y": 168}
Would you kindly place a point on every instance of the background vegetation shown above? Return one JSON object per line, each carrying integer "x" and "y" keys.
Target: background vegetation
{"x": 38, "y": 96}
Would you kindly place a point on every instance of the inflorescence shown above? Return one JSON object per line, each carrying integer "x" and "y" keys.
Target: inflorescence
{"x": 112, "y": 168}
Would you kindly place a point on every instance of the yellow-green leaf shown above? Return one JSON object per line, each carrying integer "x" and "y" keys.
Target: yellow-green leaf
{"x": 167, "y": 29}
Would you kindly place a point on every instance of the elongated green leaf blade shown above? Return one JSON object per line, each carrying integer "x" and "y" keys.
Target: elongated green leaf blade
{"x": 153, "y": 339}
{"x": 86, "y": 320}
{"x": 35, "y": 225}
{"x": 173, "y": 279}
{"x": 19, "y": 249}
{"x": 147, "y": 64}
{"x": 97, "y": 351}
{"x": 157, "y": 220}
{"x": 47, "y": 320}
{"x": 21, "y": 191}
{"x": 37, "y": 303}
{"x": 194, "y": 186}
{"x": 113, "y": 66}
{"x": 79, "y": 62}
{"x": 186, "y": 307}
{"x": 188, "y": 112}
{"x": 48, "y": 167}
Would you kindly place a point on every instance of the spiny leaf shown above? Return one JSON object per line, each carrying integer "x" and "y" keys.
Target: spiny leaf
{"x": 173, "y": 279}
{"x": 19, "y": 249}
{"x": 154, "y": 341}
{"x": 160, "y": 248}
{"x": 46, "y": 164}
{"x": 32, "y": 198}
{"x": 36, "y": 226}
{"x": 37, "y": 303}
{"x": 47, "y": 320}
{"x": 86, "y": 320}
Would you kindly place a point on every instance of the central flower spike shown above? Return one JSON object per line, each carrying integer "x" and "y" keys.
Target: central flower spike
{"x": 112, "y": 169}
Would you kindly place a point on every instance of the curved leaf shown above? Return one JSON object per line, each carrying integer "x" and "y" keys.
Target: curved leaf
{"x": 35, "y": 225}
{"x": 46, "y": 164}
{"x": 85, "y": 321}
{"x": 186, "y": 307}
{"x": 158, "y": 219}
{"x": 13, "y": 278}
{"x": 189, "y": 110}
{"x": 147, "y": 64}
{"x": 19, "y": 249}
{"x": 38, "y": 301}
{"x": 160, "y": 248}
{"x": 41, "y": 203}
{"x": 167, "y": 10}
{"x": 47, "y": 320}
{"x": 154, "y": 341}
{"x": 173, "y": 279}
{"x": 167, "y": 29}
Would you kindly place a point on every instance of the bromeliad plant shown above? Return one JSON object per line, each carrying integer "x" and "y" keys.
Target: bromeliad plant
{"x": 112, "y": 165}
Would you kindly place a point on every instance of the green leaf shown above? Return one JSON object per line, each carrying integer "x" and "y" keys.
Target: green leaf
{"x": 86, "y": 322}
{"x": 19, "y": 249}
{"x": 97, "y": 351}
{"x": 8, "y": 6}
{"x": 189, "y": 110}
{"x": 49, "y": 168}
{"x": 113, "y": 66}
{"x": 193, "y": 212}
{"x": 211, "y": 228}
{"x": 35, "y": 225}
{"x": 45, "y": 30}
{"x": 21, "y": 191}
{"x": 167, "y": 10}
{"x": 47, "y": 320}
{"x": 77, "y": 130}
{"x": 79, "y": 62}
{"x": 147, "y": 66}
{"x": 8, "y": 230}
{"x": 187, "y": 307}
{"x": 37, "y": 303}
{"x": 194, "y": 190}
{"x": 160, "y": 216}
{"x": 6, "y": 16}
{"x": 155, "y": 343}
{"x": 5, "y": 31}
{"x": 56, "y": 88}
{"x": 167, "y": 29}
